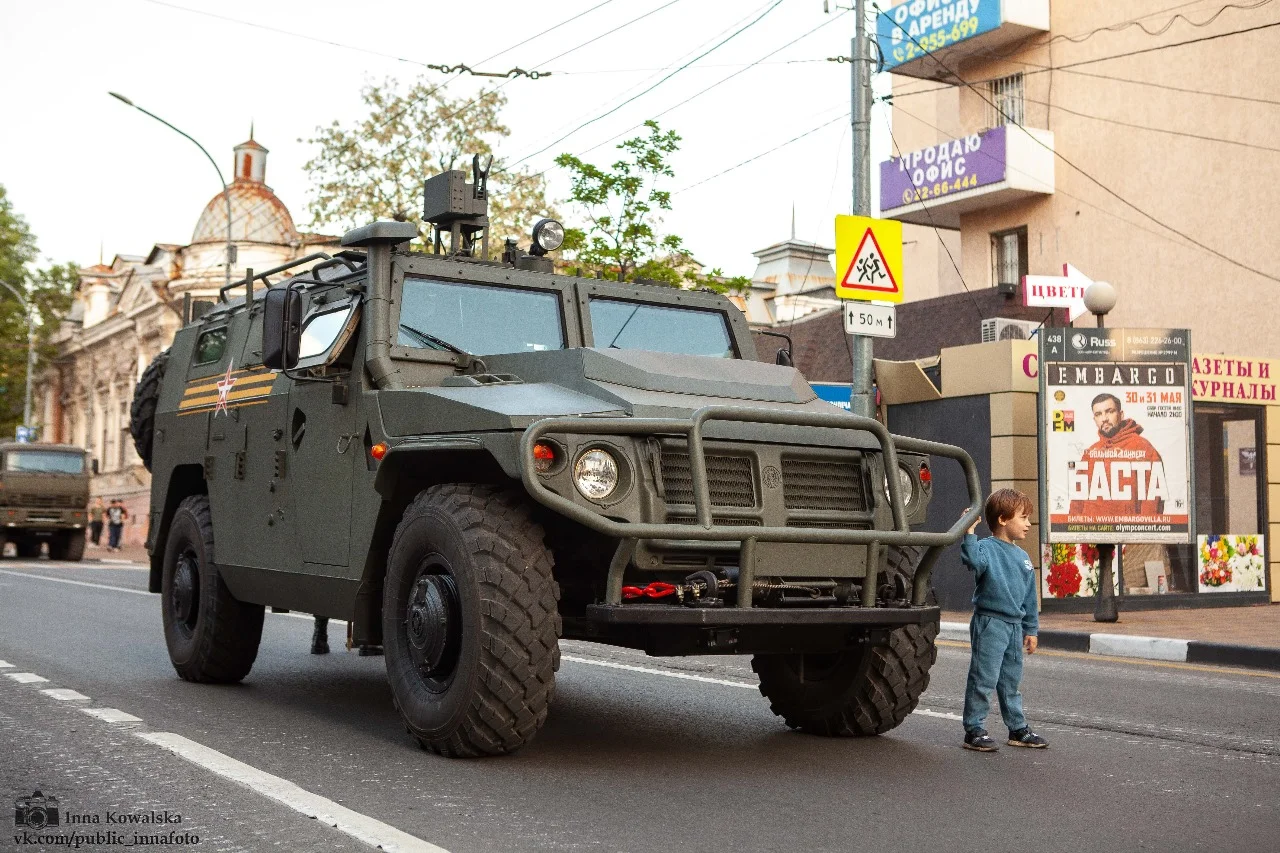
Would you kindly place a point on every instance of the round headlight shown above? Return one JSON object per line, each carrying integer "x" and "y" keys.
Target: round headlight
{"x": 596, "y": 474}
{"x": 906, "y": 485}
{"x": 548, "y": 235}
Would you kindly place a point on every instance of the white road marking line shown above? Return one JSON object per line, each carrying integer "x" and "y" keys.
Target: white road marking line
{"x": 941, "y": 715}
{"x": 25, "y": 677}
{"x": 361, "y": 827}
{"x": 76, "y": 583}
{"x": 65, "y": 694}
{"x": 682, "y": 675}
{"x": 4, "y": 664}
{"x": 111, "y": 715}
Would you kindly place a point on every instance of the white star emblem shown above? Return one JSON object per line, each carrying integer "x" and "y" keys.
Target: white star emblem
{"x": 224, "y": 387}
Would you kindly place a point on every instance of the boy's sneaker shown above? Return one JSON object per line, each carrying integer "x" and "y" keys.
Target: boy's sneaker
{"x": 1029, "y": 739}
{"x": 979, "y": 741}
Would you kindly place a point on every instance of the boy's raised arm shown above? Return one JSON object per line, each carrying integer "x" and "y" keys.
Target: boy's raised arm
{"x": 972, "y": 554}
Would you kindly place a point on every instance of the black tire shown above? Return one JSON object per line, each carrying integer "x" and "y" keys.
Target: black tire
{"x": 142, "y": 412}
{"x": 28, "y": 547}
{"x": 212, "y": 637}
{"x": 854, "y": 692}
{"x": 68, "y": 545}
{"x": 470, "y": 622}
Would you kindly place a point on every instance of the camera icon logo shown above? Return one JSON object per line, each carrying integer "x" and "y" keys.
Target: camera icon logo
{"x": 36, "y": 811}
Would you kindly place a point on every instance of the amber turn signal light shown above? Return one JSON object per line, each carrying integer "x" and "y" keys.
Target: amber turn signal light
{"x": 378, "y": 451}
{"x": 544, "y": 457}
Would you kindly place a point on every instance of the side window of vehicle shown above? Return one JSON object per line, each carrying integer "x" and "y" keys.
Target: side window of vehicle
{"x": 210, "y": 346}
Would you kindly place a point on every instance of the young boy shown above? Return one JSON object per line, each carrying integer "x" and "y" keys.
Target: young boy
{"x": 1004, "y": 621}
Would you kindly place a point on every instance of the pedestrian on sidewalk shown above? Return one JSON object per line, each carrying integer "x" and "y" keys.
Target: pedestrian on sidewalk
{"x": 1004, "y": 621}
{"x": 116, "y": 514}
{"x": 96, "y": 512}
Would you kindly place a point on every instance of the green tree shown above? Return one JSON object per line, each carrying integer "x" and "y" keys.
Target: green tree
{"x": 375, "y": 167}
{"x": 624, "y": 207}
{"x": 49, "y": 289}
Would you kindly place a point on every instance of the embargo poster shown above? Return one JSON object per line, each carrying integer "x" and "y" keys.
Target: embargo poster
{"x": 1115, "y": 411}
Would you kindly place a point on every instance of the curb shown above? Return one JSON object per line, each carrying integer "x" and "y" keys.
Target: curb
{"x": 1145, "y": 648}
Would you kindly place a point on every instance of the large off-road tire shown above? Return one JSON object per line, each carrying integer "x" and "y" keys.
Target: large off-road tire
{"x": 28, "y": 547}
{"x": 469, "y": 622}
{"x": 854, "y": 692}
{"x": 142, "y": 412}
{"x": 212, "y": 637}
{"x": 68, "y": 545}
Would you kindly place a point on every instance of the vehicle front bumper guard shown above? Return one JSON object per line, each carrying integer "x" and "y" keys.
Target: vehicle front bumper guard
{"x": 630, "y": 533}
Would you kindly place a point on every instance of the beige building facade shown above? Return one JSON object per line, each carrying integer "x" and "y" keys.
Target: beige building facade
{"x": 127, "y": 311}
{"x": 1134, "y": 141}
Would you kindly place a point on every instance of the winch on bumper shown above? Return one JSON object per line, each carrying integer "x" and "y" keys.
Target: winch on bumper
{"x": 751, "y": 562}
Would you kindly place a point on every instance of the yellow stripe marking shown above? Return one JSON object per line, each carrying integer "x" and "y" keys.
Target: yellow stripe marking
{"x": 210, "y": 406}
{"x": 233, "y": 394}
{"x": 254, "y": 379}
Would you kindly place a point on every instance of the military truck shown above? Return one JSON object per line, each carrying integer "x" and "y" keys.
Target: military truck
{"x": 44, "y": 497}
{"x": 471, "y": 459}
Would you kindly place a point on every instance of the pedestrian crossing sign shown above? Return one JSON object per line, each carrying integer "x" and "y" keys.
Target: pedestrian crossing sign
{"x": 868, "y": 259}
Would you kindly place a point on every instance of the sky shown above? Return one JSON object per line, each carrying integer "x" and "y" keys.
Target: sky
{"x": 93, "y": 176}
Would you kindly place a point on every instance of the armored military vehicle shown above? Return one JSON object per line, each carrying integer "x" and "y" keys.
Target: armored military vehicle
{"x": 470, "y": 460}
{"x": 44, "y": 497}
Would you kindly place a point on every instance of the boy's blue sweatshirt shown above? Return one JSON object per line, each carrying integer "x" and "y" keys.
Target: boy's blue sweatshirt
{"x": 1006, "y": 581}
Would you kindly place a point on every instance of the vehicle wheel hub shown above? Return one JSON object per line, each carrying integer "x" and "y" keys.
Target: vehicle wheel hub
{"x": 186, "y": 590}
{"x": 433, "y": 625}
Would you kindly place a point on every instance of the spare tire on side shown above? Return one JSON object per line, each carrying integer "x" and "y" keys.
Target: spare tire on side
{"x": 142, "y": 413}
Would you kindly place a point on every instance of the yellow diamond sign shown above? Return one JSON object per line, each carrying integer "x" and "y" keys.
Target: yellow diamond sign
{"x": 868, "y": 259}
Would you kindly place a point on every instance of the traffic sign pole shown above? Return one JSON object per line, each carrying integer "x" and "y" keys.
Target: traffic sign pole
{"x": 861, "y": 399}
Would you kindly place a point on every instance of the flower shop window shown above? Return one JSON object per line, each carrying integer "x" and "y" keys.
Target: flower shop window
{"x": 1231, "y": 499}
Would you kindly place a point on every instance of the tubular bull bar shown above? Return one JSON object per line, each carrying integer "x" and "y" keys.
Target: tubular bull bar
{"x": 704, "y": 530}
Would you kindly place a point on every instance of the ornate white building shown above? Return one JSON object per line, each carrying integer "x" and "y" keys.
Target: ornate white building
{"x": 124, "y": 313}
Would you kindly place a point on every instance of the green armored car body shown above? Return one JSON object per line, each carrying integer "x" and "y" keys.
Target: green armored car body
{"x": 470, "y": 460}
{"x": 44, "y": 497}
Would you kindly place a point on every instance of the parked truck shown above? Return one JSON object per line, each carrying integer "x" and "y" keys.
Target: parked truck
{"x": 44, "y": 497}
{"x": 470, "y": 460}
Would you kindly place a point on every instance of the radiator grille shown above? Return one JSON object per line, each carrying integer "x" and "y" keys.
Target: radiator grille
{"x": 716, "y": 520}
{"x": 729, "y": 479}
{"x": 823, "y": 485}
{"x": 49, "y": 501}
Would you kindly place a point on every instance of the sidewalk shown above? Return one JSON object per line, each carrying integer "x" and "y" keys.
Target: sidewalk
{"x": 128, "y": 553}
{"x": 1236, "y": 636}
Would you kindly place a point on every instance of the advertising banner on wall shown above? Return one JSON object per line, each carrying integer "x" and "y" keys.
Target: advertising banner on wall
{"x": 906, "y": 31}
{"x": 1115, "y": 418}
{"x": 949, "y": 167}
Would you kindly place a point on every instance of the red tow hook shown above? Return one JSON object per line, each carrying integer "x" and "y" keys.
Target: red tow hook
{"x": 657, "y": 589}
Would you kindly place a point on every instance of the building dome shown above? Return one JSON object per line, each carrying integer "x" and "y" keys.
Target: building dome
{"x": 257, "y": 215}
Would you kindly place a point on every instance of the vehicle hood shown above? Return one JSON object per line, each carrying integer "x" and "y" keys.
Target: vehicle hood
{"x": 595, "y": 382}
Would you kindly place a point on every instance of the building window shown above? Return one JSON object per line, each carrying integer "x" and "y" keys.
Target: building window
{"x": 1006, "y": 103}
{"x": 122, "y": 452}
{"x": 1009, "y": 258}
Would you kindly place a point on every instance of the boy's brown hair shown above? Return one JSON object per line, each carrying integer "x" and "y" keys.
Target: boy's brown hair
{"x": 1005, "y": 503}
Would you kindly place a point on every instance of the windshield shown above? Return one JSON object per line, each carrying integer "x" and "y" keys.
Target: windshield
{"x": 477, "y": 318}
{"x": 661, "y": 328}
{"x": 44, "y": 461}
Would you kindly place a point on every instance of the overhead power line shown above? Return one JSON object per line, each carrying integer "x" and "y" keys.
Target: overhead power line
{"x": 1087, "y": 175}
{"x": 667, "y": 77}
{"x": 1214, "y": 139}
{"x": 777, "y": 147}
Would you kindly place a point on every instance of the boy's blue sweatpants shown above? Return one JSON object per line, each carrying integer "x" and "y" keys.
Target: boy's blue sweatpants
{"x": 996, "y": 664}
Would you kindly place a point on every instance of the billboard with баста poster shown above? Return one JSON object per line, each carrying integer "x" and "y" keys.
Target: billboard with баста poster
{"x": 1114, "y": 454}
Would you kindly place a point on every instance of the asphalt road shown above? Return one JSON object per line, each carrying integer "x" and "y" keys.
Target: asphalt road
{"x": 640, "y": 754}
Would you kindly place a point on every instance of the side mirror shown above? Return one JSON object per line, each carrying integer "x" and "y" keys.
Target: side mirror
{"x": 281, "y": 328}
{"x": 784, "y": 358}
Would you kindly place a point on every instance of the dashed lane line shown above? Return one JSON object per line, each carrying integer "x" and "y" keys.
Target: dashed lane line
{"x": 25, "y": 677}
{"x": 651, "y": 671}
{"x": 361, "y": 827}
{"x": 4, "y": 664}
{"x": 76, "y": 583}
{"x": 65, "y": 694}
{"x": 111, "y": 715}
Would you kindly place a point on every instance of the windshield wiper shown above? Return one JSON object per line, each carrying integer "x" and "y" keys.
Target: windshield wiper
{"x": 431, "y": 340}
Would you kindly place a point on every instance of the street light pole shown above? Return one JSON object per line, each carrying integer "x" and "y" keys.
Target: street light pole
{"x": 231, "y": 249}
{"x": 31, "y": 349}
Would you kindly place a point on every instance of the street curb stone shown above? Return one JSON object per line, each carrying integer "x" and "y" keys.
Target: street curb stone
{"x": 1145, "y": 648}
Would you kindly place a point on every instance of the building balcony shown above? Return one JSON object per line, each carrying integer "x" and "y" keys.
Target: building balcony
{"x": 936, "y": 185}
{"x": 932, "y": 39}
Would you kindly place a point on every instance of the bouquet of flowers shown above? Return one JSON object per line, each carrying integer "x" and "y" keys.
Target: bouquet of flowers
{"x": 1064, "y": 575}
{"x": 1215, "y": 556}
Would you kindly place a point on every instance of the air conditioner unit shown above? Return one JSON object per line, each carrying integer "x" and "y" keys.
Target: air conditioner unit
{"x": 1004, "y": 329}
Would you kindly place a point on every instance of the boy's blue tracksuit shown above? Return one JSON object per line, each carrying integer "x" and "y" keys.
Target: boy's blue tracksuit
{"x": 1004, "y": 610}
